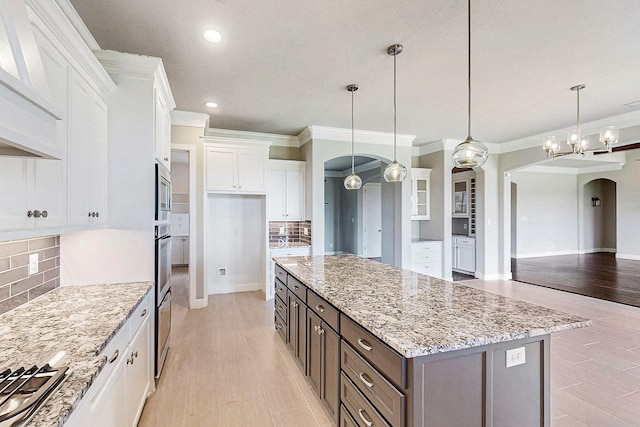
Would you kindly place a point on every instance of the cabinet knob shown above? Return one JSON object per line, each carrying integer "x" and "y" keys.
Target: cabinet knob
{"x": 166, "y": 159}
{"x": 29, "y": 214}
{"x": 97, "y": 214}
{"x": 45, "y": 214}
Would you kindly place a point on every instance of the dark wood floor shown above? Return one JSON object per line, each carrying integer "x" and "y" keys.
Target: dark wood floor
{"x": 598, "y": 275}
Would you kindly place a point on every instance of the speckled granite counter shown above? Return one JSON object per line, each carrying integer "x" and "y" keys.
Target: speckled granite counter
{"x": 419, "y": 315}
{"x": 80, "y": 320}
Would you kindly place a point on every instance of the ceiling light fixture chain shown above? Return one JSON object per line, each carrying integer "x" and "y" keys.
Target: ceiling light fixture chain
{"x": 469, "y": 153}
{"x": 579, "y": 145}
{"x": 395, "y": 172}
{"x": 352, "y": 181}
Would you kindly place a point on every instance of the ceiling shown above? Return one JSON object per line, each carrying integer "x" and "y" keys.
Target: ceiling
{"x": 284, "y": 64}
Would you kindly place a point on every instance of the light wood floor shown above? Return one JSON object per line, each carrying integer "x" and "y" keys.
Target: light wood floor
{"x": 227, "y": 366}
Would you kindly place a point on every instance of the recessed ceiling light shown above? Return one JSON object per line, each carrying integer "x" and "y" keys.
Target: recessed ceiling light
{"x": 212, "y": 35}
{"x": 211, "y": 104}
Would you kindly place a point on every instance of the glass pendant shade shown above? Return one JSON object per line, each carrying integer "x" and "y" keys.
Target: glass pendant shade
{"x": 550, "y": 145}
{"x": 609, "y": 136}
{"x": 470, "y": 154}
{"x": 395, "y": 172}
{"x": 352, "y": 182}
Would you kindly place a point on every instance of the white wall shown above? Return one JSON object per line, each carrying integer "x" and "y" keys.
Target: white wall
{"x": 547, "y": 222}
{"x": 235, "y": 232}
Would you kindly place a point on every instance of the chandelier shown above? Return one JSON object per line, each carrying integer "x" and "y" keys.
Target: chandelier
{"x": 578, "y": 143}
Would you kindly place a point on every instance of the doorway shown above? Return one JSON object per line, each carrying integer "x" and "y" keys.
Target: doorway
{"x": 372, "y": 220}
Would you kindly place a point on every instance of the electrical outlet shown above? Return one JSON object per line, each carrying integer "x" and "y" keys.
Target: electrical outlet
{"x": 516, "y": 357}
{"x": 33, "y": 264}
{"x": 464, "y": 226}
{"x": 222, "y": 271}
{"x": 305, "y": 230}
{"x": 281, "y": 231}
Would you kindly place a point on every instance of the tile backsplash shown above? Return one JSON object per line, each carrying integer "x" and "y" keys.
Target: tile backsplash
{"x": 294, "y": 229}
{"x": 16, "y": 285}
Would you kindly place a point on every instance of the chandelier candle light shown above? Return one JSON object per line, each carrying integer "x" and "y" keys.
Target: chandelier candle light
{"x": 578, "y": 143}
{"x": 353, "y": 181}
{"x": 469, "y": 153}
{"x": 394, "y": 172}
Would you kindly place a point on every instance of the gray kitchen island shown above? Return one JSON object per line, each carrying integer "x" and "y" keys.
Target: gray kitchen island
{"x": 383, "y": 346}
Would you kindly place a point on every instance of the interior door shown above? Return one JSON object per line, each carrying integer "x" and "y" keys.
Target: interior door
{"x": 372, "y": 221}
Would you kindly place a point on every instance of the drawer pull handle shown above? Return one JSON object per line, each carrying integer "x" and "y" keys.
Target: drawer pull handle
{"x": 296, "y": 287}
{"x": 280, "y": 307}
{"x": 320, "y": 308}
{"x": 115, "y": 356}
{"x": 320, "y": 331}
{"x": 277, "y": 326}
{"x": 365, "y": 381}
{"x": 364, "y": 420}
{"x": 364, "y": 344}
{"x": 144, "y": 313}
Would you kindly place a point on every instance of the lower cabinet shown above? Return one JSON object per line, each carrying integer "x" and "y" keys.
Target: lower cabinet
{"x": 297, "y": 322}
{"x": 323, "y": 362}
{"x": 119, "y": 392}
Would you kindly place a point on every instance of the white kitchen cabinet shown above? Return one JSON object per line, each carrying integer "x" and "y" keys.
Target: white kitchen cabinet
{"x": 236, "y": 166}
{"x": 86, "y": 155}
{"x": 463, "y": 254}
{"x": 118, "y": 394}
{"x": 162, "y": 137}
{"x": 179, "y": 250}
{"x": 460, "y": 208}
{"x": 420, "y": 194}
{"x": 286, "y": 190}
{"x": 426, "y": 257}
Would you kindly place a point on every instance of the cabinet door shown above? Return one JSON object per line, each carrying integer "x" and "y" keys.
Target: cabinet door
{"x": 314, "y": 351}
{"x": 276, "y": 194}
{"x": 252, "y": 168}
{"x": 221, "y": 169}
{"x": 300, "y": 352}
{"x": 108, "y": 405}
{"x": 79, "y": 141}
{"x": 467, "y": 258}
{"x": 331, "y": 370}
{"x": 162, "y": 141}
{"x": 292, "y": 322}
{"x": 15, "y": 193}
{"x": 139, "y": 373}
{"x": 97, "y": 161}
{"x": 294, "y": 184}
{"x": 460, "y": 198}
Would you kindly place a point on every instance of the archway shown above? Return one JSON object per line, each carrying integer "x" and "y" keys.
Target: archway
{"x": 599, "y": 213}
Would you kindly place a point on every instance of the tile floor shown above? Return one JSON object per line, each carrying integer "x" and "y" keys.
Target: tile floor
{"x": 227, "y": 366}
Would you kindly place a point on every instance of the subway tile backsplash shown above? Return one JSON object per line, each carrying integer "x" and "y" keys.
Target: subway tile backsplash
{"x": 294, "y": 229}
{"x": 16, "y": 285}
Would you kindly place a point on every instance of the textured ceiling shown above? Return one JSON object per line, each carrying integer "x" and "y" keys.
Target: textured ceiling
{"x": 284, "y": 64}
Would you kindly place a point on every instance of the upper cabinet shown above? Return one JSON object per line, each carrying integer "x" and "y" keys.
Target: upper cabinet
{"x": 162, "y": 130}
{"x": 420, "y": 193}
{"x": 286, "y": 190}
{"x": 460, "y": 208}
{"x": 236, "y": 165}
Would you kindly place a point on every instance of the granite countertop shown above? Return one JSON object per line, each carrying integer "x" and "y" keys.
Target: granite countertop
{"x": 419, "y": 315}
{"x": 420, "y": 239}
{"x": 80, "y": 320}
{"x": 292, "y": 245}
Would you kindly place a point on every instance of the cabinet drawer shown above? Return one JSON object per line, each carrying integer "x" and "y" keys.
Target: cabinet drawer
{"x": 280, "y": 326}
{"x": 426, "y": 247}
{"x": 297, "y": 288}
{"x": 426, "y": 259}
{"x": 141, "y": 313}
{"x": 357, "y": 404}
{"x": 280, "y": 307}
{"x": 345, "y": 418}
{"x": 465, "y": 241}
{"x": 281, "y": 274}
{"x": 380, "y": 392}
{"x": 381, "y": 356}
{"x": 325, "y": 310}
{"x": 281, "y": 290}
{"x": 431, "y": 269}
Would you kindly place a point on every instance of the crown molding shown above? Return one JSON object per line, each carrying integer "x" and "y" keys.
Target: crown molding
{"x": 61, "y": 24}
{"x": 361, "y": 136}
{"x": 212, "y": 140}
{"x": 140, "y": 67}
{"x": 276, "y": 140}
{"x": 187, "y": 118}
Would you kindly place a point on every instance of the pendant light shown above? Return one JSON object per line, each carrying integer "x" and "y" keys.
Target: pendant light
{"x": 353, "y": 181}
{"x": 469, "y": 153}
{"x": 394, "y": 172}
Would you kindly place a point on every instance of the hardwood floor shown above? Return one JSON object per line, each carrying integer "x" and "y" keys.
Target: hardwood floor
{"x": 227, "y": 366}
{"x": 598, "y": 275}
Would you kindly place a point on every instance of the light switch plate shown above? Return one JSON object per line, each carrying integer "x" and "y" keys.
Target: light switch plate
{"x": 516, "y": 356}
{"x": 33, "y": 264}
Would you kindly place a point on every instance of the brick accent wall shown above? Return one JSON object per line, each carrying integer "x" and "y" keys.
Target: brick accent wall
{"x": 16, "y": 285}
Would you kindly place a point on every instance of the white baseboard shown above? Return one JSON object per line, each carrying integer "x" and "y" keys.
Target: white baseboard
{"x": 628, "y": 256}
{"x": 229, "y": 289}
{"x": 492, "y": 276}
{"x": 596, "y": 250}
{"x": 543, "y": 254}
{"x": 198, "y": 303}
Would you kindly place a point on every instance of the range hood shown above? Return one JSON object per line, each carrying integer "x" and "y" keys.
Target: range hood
{"x": 27, "y": 116}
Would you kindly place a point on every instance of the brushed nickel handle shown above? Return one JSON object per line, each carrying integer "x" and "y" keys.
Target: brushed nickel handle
{"x": 366, "y": 381}
{"x": 135, "y": 354}
{"x": 97, "y": 214}
{"x": 296, "y": 287}
{"x": 315, "y": 328}
{"x": 278, "y": 326}
{"x": 320, "y": 308}
{"x": 37, "y": 214}
{"x": 144, "y": 313}
{"x": 280, "y": 307}
{"x": 166, "y": 159}
{"x": 130, "y": 360}
{"x": 29, "y": 214}
{"x": 115, "y": 356}
{"x": 45, "y": 214}
{"x": 320, "y": 331}
{"x": 364, "y": 344}
{"x": 361, "y": 413}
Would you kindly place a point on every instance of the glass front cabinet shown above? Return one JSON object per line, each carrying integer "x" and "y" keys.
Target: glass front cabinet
{"x": 420, "y": 194}
{"x": 460, "y": 207}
